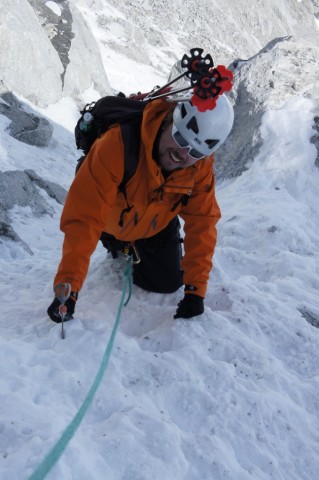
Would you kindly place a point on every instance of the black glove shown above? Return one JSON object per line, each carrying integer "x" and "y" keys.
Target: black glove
{"x": 53, "y": 310}
{"x": 190, "y": 306}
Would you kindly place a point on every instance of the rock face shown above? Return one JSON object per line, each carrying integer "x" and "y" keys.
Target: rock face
{"x": 24, "y": 44}
{"x": 25, "y": 127}
{"x": 56, "y": 34}
{"x": 227, "y": 28}
{"x": 315, "y": 138}
{"x": 283, "y": 69}
{"x": 57, "y": 23}
{"x": 46, "y": 54}
{"x": 24, "y": 185}
{"x": 21, "y": 188}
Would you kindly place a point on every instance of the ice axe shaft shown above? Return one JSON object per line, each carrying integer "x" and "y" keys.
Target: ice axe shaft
{"x": 62, "y": 292}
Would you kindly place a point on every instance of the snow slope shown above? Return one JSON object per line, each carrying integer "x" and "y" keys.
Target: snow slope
{"x": 232, "y": 394}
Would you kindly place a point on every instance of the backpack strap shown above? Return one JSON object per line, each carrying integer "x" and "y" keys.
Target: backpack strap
{"x": 131, "y": 136}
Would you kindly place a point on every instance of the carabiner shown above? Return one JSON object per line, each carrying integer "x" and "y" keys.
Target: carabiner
{"x": 131, "y": 254}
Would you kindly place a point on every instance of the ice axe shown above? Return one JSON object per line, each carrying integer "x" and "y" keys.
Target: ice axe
{"x": 62, "y": 292}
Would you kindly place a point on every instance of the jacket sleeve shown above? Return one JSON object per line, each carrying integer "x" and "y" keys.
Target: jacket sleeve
{"x": 200, "y": 217}
{"x": 89, "y": 200}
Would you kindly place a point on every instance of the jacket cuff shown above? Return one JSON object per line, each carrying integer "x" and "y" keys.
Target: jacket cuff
{"x": 199, "y": 290}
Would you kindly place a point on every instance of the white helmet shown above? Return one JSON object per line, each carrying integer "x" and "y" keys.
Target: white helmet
{"x": 204, "y": 131}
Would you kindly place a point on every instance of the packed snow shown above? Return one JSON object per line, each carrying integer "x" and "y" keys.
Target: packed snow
{"x": 54, "y": 7}
{"x": 232, "y": 394}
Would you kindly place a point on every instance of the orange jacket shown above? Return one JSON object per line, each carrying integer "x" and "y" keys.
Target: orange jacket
{"x": 94, "y": 204}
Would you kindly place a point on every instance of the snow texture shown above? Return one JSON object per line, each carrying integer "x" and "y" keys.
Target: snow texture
{"x": 232, "y": 394}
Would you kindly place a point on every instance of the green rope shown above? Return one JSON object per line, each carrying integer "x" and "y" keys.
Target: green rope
{"x": 53, "y": 456}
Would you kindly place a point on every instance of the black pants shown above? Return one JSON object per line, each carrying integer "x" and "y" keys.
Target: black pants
{"x": 160, "y": 267}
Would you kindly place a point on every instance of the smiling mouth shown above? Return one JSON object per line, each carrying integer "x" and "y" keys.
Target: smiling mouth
{"x": 175, "y": 157}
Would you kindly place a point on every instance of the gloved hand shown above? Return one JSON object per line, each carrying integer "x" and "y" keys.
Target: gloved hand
{"x": 53, "y": 310}
{"x": 190, "y": 306}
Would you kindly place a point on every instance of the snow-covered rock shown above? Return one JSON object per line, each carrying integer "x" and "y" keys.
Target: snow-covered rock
{"x": 25, "y": 126}
{"x": 86, "y": 67}
{"x": 286, "y": 68}
{"x": 157, "y": 32}
{"x": 58, "y": 35}
{"x": 44, "y": 55}
{"x": 23, "y": 189}
{"x": 29, "y": 64}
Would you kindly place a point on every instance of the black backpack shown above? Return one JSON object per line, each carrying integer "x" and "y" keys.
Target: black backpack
{"x": 97, "y": 117}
